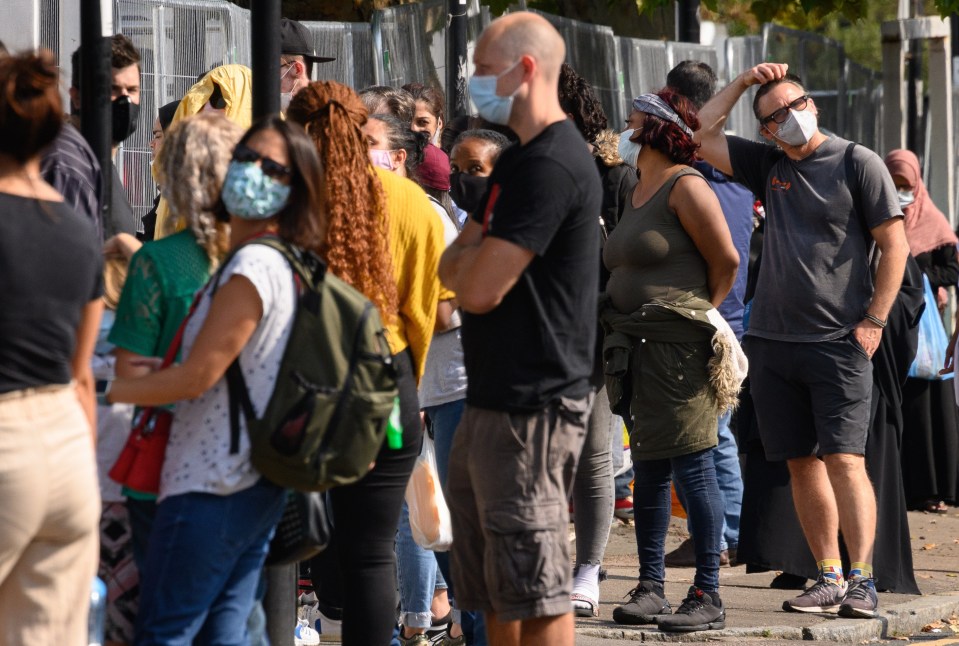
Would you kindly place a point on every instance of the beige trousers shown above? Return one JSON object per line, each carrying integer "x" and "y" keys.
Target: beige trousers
{"x": 49, "y": 513}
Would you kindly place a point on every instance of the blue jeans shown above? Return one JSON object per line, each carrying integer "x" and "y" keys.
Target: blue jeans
{"x": 444, "y": 419}
{"x": 652, "y": 504}
{"x": 730, "y": 479}
{"x": 203, "y": 564}
{"x": 419, "y": 576}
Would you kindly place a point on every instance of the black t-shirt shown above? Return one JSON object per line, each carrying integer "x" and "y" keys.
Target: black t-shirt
{"x": 51, "y": 266}
{"x": 538, "y": 344}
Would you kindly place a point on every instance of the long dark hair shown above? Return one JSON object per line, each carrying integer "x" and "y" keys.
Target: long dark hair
{"x": 302, "y": 221}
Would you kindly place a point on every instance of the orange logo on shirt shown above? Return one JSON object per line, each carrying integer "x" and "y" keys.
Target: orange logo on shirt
{"x": 779, "y": 185}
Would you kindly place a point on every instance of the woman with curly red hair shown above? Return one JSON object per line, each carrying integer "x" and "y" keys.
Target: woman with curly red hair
{"x": 672, "y": 262}
{"x": 384, "y": 238}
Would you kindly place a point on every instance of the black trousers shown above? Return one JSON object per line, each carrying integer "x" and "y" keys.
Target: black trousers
{"x": 357, "y": 572}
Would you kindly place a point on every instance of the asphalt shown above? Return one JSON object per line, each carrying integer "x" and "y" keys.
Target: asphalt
{"x": 754, "y": 612}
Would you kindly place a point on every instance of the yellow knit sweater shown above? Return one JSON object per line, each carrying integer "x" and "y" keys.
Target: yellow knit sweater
{"x": 416, "y": 243}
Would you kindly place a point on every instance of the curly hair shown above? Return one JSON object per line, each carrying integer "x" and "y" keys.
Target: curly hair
{"x": 190, "y": 169}
{"x": 665, "y": 136}
{"x": 577, "y": 99}
{"x": 356, "y": 245}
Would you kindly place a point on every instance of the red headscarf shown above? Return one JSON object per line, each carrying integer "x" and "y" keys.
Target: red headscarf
{"x": 926, "y": 226}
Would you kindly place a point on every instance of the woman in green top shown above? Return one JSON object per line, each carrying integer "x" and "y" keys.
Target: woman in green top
{"x": 165, "y": 274}
{"x": 672, "y": 261}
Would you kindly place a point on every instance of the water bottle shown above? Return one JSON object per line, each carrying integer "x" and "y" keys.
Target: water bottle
{"x": 98, "y": 612}
{"x": 394, "y": 429}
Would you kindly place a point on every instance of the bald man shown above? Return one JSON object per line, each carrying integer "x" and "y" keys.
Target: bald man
{"x": 525, "y": 272}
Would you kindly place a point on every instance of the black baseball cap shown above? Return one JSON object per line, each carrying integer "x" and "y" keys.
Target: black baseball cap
{"x": 295, "y": 39}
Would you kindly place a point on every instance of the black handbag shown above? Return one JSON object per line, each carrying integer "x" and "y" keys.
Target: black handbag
{"x": 304, "y": 530}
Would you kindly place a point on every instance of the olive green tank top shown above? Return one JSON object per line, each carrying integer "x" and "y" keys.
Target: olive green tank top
{"x": 651, "y": 257}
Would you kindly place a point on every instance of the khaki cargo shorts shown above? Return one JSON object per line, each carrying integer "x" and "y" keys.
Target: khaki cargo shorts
{"x": 507, "y": 489}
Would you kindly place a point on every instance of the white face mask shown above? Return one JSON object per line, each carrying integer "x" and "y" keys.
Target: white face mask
{"x": 906, "y": 198}
{"x": 798, "y": 129}
{"x": 628, "y": 150}
{"x": 286, "y": 97}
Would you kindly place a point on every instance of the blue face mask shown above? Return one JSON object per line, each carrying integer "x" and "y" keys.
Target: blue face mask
{"x": 250, "y": 194}
{"x": 491, "y": 106}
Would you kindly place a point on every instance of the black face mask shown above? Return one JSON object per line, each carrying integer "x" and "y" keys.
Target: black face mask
{"x": 467, "y": 190}
{"x": 125, "y": 116}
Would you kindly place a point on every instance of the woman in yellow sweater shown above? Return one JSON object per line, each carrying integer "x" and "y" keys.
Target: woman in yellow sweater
{"x": 384, "y": 239}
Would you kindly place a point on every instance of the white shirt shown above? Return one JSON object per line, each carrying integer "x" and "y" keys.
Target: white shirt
{"x": 198, "y": 457}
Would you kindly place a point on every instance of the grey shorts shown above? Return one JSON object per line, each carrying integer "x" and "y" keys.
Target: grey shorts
{"x": 810, "y": 398}
{"x": 508, "y": 484}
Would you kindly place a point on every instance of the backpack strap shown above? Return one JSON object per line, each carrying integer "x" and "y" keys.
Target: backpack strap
{"x": 305, "y": 267}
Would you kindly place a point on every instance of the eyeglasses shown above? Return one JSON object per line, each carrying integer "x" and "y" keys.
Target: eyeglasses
{"x": 780, "y": 115}
{"x": 270, "y": 167}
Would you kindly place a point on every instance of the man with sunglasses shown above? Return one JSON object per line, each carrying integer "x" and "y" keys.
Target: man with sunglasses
{"x": 817, "y": 316}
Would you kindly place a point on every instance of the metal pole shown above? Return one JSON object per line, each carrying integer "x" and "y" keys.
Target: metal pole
{"x": 456, "y": 39}
{"x": 687, "y": 21}
{"x": 279, "y": 604}
{"x": 265, "y": 55}
{"x": 96, "y": 25}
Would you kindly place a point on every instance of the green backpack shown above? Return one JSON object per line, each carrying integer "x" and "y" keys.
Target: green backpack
{"x": 335, "y": 389}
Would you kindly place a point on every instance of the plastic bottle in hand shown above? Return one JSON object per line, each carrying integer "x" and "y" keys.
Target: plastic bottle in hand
{"x": 394, "y": 429}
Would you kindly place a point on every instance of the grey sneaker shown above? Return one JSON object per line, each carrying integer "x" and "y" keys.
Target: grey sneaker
{"x": 700, "y": 610}
{"x": 821, "y": 596}
{"x": 646, "y": 602}
{"x": 861, "y": 599}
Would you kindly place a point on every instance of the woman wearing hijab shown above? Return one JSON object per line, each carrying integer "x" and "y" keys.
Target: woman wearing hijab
{"x": 930, "y": 451}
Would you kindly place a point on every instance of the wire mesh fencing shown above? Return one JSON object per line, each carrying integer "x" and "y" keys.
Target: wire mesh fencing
{"x": 182, "y": 39}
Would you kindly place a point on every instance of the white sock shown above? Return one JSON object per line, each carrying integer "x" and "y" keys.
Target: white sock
{"x": 586, "y": 581}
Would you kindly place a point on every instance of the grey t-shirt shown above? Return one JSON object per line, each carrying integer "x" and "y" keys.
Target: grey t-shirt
{"x": 815, "y": 281}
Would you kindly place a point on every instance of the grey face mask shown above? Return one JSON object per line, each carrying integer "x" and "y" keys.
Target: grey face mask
{"x": 798, "y": 129}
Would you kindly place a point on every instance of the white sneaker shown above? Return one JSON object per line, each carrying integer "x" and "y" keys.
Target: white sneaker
{"x": 303, "y": 635}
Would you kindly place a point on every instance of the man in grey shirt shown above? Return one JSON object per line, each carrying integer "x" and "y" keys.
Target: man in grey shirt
{"x": 817, "y": 316}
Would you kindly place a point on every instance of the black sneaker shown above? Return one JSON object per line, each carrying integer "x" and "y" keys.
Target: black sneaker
{"x": 699, "y": 611}
{"x": 646, "y": 602}
{"x": 861, "y": 599}
{"x": 821, "y": 596}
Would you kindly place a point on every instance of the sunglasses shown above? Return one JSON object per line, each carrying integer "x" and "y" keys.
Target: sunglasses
{"x": 780, "y": 115}
{"x": 270, "y": 167}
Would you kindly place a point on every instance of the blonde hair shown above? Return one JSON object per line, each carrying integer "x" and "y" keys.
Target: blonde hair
{"x": 191, "y": 166}
{"x": 114, "y": 275}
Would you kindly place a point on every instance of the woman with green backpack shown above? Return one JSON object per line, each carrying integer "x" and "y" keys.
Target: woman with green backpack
{"x": 216, "y": 513}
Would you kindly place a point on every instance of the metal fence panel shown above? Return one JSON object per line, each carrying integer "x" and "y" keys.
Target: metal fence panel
{"x": 644, "y": 66}
{"x": 863, "y": 105}
{"x": 352, "y": 45}
{"x": 591, "y": 51}
{"x": 403, "y": 38}
{"x": 678, "y": 52}
{"x": 742, "y": 53}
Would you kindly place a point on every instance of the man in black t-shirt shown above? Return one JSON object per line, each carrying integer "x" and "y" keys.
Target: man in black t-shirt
{"x": 525, "y": 271}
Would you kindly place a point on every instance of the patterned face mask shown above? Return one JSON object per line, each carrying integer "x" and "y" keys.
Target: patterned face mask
{"x": 250, "y": 194}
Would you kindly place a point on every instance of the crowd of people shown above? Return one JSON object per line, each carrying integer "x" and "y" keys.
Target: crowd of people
{"x": 544, "y": 280}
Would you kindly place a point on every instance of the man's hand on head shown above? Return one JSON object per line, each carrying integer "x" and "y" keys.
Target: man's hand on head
{"x": 764, "y": 73}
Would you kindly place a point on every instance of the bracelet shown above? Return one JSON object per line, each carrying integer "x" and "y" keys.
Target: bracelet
{"x": 875, "y": 319}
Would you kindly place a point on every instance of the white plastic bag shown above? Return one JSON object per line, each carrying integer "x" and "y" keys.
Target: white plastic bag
{"x": 429, "y": 515}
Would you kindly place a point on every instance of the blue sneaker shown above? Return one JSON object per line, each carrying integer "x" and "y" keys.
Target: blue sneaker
{"x": 861, "y": 599}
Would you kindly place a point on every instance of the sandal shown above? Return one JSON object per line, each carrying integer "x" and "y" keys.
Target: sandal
{"x": 583, "y": 606}
{"x": 936, "y": 507}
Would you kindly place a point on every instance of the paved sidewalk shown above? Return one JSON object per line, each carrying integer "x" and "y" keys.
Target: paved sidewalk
{"x": 754, "y": 611}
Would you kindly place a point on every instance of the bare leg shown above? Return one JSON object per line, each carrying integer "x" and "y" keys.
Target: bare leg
{"x": 816, "y": 506}
{"x": 856, "y": 500}
{"x": 502, "y": 633}
{"x": 548, "y": 631}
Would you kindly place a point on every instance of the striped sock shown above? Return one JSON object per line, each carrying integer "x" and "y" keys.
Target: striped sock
{"x": 831, "y": 571}
{"x": 859, "y": 569}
